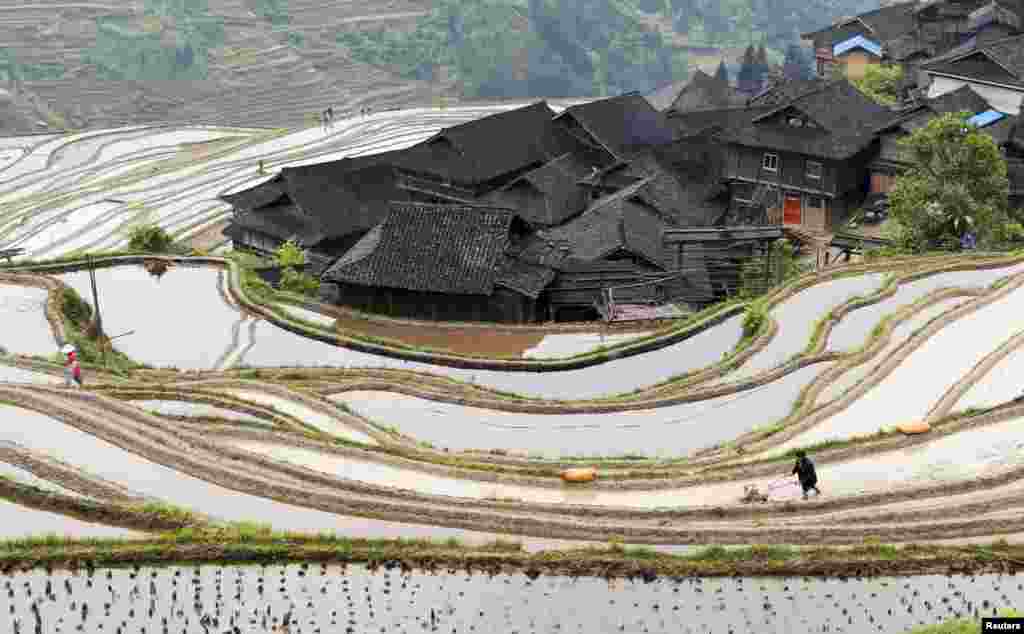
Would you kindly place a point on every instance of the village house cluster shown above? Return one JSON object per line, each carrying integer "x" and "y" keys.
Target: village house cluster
{"x": 533, "y": 215}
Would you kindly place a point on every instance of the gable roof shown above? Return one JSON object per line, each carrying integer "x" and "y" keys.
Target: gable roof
{"x": 680, "y": 194}
{"x": 698, "y": 121}
{"x": 857, "y": 42}
{"x": 265, "y": 193}
{"x": 280, "y": 221}
{"x": 609, "y": 224}
{"x": 663, "y": 98}
{"x": 998, "y": 61}
{"x": 703, "y": 92}
{"x": 454, "y": 249}
{"x": 848, "y": 121}
{"x": 884, "y": 24}
{"x": 559, "y": 194}
{"x": 786, "y": 90}
{"x": 621, "y": 124}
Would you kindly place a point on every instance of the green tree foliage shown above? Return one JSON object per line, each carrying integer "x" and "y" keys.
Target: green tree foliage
{"x": 149, "y": 238}
{"x": 288, "y": 255}
{"x": 879, "y": 83}
{"x": 170, "y": 41}
{"x": 761, "y": 63}
{"x": 499, "y": 48}
{"x": 796, "y": 65}
{"x": 75, "y": 309}
{"x": 957, "y": 182}
{"x": 300, "y": 283}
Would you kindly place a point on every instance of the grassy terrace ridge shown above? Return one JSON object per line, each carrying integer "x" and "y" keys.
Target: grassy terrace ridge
{"x": 253, "y": 543}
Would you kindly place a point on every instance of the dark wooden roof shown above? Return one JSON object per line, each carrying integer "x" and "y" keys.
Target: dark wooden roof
{"x": 696, "y": 122}
{"x": 963, "y": 99}
{"x": 341, "y": 201}
{"x": 454, "y": 249}
{"x": 682, "y": 195}
{"x": 554, "y": 192}
{"x": 523, "y": 277}
{"x": 622, "y": 124}
{"x": 705, "y": 91}
{"x": 283, "y": 222}
{"x": 786, "y": 90}
{"x": 266, "y": 193}
{"x": 663, "y": 98}
{"x": 883, "y": 24}
{"x": 847, "y": 118}
{"x": 1000, "y": 61}
{"x": 608, "y": 225}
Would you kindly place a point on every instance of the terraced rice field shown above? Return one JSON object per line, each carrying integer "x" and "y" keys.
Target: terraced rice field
{"x": 289, "y": 416}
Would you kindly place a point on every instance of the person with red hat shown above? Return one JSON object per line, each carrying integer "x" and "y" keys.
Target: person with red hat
{"x": 72, "y": 369}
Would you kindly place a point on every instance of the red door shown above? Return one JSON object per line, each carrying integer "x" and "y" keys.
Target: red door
{"x": 791, "y": 210}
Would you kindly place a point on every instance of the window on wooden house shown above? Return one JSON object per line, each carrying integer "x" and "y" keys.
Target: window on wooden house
{"x": 770, "y": 162}
{"x": 814, "y": 170}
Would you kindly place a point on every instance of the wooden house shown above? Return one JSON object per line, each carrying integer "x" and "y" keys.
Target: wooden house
{"x": 805, "y": 161}
{"x": 994, "y": 70}
{"x": 442, "y": 262}
{"x": 851, "y": 43}
{"x": 619, "y": 126}
{"x": 704, "y": 92}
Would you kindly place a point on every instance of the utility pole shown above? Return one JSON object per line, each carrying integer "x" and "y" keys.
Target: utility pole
{"x": 99, "y": 318}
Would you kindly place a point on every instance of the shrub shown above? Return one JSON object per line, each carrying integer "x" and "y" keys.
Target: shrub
{"x": 754, "y": 320}
{"x": 75, "y": 309}
{"x": 149, "y": 238}
{"x": 299, "y": 283}
{"x": 1013, "y": 232}
{"x": 289, "y": 254}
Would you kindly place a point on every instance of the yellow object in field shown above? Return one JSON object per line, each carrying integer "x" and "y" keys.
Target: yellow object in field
{"x": 587, "y": 474}
{"x": 919, "y": 427}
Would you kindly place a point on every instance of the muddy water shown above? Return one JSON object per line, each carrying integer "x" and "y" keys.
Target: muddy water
{"x": 909, "y": 392}
{"x": 179, "y": 318}
{"x": 323, "y": 422}
{"x": 669, "y": 431}
{"x": 796, "y": 318}
{"x": 317, "y": 598}
{"x": 186, "y": 408}
{"x": 855, "y": 327}
{"x": 899, "y": 336}
{"x": 23, "y": 325}
{"x": 12, "y": 374}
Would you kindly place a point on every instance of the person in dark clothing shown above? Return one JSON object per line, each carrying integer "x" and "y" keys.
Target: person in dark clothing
{"x": 804, "y": 470}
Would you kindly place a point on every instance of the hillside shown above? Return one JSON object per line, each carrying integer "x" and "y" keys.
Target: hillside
{"x": 276, "y": 63}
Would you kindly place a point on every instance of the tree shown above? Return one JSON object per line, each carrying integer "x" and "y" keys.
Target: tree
{"x": 956, "y": 182}
{"x": 880, "y": 82}
{"x": 289, "y": 255}
{"x": 761, "y": 63}
{"x": 795, "y": 66}
{"x": 722, "y": 72}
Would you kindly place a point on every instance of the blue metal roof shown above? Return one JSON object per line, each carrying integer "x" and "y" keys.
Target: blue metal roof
{"x": 983, "y": 119}
{"x": 857, "y": 41}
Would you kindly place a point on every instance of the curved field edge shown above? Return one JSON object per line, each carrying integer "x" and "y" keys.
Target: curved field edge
{"x": 250, "y": 544}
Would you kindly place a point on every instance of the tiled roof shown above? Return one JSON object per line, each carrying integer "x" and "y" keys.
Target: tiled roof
{"x": 703, "y": 92}
{"x": 681, "y": 197}
{"x": 885, "y": 23}
{"x": 847, "y": 118}
{"x": 265, "y": 193}
{"x": 857, "y": 42}
{"x": 999, "y": 61}
{"x": 523, "y": 277}
{"x": 905, "y": 46}
{"x": 342, "y": 201}
{"x": 622, "y": 124}
{"x": 558, "y": 194}
{"x": 454, "y": 249}
{"x": 786, "y": 90}
{"x": 963, "y": 99}
{"x": 609, "y": 224}
{"x": 692, "y": 123}
{"x": 281, "y": 221}
{"x": 662, "y": 98}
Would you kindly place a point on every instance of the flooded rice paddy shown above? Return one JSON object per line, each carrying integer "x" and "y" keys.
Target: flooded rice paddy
{"x": 569, "y": 344}
{"x": 186, "y": 408}
{"x": 918, "y": 383}
{"x": 25, "y": 329}
{"x": 178, "y": 318}
{"x": 324, "y": 422}
{"x": 18, "y": 521}
{"x": 329, "y": 598}
{"x": 13, "y": 374}
{"x": 797, "y": 315}
{"x": 679, "y": 429}
{"x": 855, "y": 327}
{"x": 900, "y": 334}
